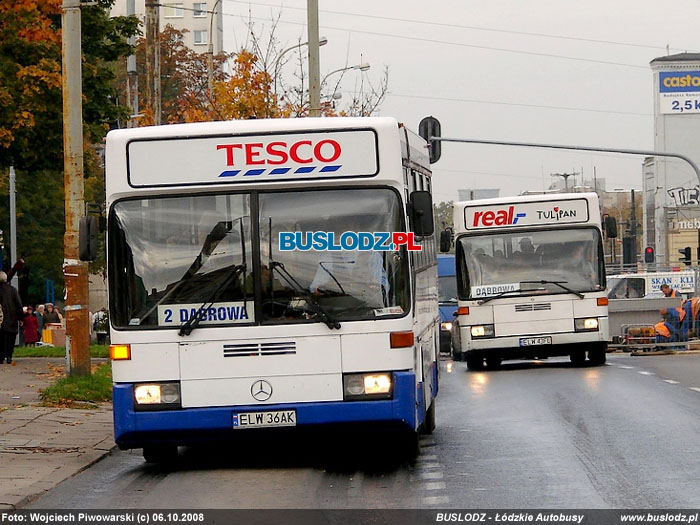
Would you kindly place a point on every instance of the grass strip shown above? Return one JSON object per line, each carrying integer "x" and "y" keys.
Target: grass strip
{"x": 80, "y": 391}
{"x": 57, "y": 351}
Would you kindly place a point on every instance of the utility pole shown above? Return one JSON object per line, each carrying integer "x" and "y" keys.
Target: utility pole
{"x": 314, "y": 59}
{"x": 565, "y": 176}
{"x": 75, "y": 272}
{"x": 132, "y": 91}
{"x": 13, "y": 223}
{"x": 210, "y": 53}
{"x": 153, "y": 59}
{"x": 633, "y": 226}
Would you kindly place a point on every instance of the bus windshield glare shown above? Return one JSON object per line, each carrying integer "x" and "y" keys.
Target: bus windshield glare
{"x": 171, "y": 256}
{"x": 493, "y": 264}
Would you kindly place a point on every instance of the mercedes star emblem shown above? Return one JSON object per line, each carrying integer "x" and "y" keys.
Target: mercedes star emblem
{"x": 261, "y": 390}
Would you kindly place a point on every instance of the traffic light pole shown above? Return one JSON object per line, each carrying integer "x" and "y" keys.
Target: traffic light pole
{"x": 646, "y": 153}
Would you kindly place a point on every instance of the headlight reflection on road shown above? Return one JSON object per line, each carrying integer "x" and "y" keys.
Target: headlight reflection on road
{"x": 478, "y": 382}
{"x": 592, "y": 378}
{"x": 449, "y": 366}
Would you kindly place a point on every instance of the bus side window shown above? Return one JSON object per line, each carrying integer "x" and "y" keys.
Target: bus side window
{"x": 462, "y": 274}
{"x": 635, "y": 288}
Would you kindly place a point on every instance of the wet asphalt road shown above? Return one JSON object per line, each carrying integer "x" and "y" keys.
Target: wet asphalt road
{"x": 531, "y": 435}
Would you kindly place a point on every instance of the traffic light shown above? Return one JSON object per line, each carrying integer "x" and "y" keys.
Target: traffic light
{"x": 685, "y": 252}
{"x": 427, "y": 128}
{"x": 649, "y": 254}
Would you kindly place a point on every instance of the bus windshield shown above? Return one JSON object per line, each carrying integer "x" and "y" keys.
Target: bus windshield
{"x": 171, "y": 257}
{"x": 497, "y": 263}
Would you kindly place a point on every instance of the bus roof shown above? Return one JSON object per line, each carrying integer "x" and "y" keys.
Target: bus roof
{"x": 545, "y": 197}
{"x": 270, "y": 152}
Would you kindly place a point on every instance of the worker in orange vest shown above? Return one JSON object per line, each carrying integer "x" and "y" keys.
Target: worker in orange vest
{"x": 668, "y": 291}
{"x": 672, "y": 328}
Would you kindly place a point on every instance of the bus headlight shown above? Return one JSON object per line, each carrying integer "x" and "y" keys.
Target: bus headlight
{"x": 586, "y": 325}
{"x": 367, "y": 386}
{"x": 157, "y": 396}
{"x": 482, "y": 331}
{"x": 446, "y": 326}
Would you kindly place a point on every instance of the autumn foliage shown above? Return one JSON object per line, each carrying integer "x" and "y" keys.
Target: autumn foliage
{"x": 31, "y": 130}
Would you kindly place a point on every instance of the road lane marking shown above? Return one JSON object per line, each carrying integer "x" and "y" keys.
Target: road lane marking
{"x": 436, "y": 500}
{"x": 432, "y": 475}
{"x": 625, "y": 367}
{"x": 695, "y": 388}
{"x": 435, "y": 485}
{"x": 428, "y": 466}
{"x": 670, "y": 381}
{"x": 645, "y": 373}
{"x": 429, "y": 456}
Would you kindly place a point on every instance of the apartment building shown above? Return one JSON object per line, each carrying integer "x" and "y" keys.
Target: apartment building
{"x": 195, "y": 17}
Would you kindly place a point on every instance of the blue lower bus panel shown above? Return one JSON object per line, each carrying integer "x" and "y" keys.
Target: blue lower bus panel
{"x": 189, "y": 426}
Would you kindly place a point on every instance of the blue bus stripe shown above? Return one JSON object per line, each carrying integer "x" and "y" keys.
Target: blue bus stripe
{"x": 232, "y": 173}
{"x": 254, "y": 172}
{"x": 305, "y": 169}
{"x": 279, "y": 171}
{"x": 331, "y": 168}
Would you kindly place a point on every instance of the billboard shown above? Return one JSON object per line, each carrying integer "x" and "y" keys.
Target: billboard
{"x": 679, "y": 92}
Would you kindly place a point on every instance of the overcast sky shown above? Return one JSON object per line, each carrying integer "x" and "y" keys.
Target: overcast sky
{"x": 551, "y": 71}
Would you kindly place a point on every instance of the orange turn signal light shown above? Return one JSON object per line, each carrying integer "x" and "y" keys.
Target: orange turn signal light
{"x": 463, "y": 310}
{"x": 119, "y": 352}
{"x": 602, "y": 301}
{"x": 401, "y": 339}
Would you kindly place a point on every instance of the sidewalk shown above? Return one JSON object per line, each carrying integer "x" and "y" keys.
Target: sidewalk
{"x": 42, "y": 446}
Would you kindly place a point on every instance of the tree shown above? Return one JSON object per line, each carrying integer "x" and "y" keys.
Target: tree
{"x": 443, "y": 215}
{"x": 443, "y": 220}
{"x": 183, "y": 72}
{"x": 31, "y": 133}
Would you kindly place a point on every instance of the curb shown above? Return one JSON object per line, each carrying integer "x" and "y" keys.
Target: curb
{"x": 665, "y": 352}
{"x": 65, "y": 472}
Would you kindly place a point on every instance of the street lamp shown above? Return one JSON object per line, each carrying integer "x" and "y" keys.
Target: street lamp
{"x": 210, "y": 53}
{"x": 361, "y": 67}
{"x": 321, "y": 42}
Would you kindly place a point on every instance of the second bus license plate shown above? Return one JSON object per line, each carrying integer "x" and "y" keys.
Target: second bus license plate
{"x": 277, "y": 418}
{"x": 535, "y": 341}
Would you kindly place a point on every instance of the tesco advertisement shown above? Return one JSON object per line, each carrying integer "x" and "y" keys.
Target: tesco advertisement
{"x": 253, "y": 158}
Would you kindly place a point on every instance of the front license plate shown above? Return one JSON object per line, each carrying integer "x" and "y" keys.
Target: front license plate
{"x": 277, "y": 418}
{"x": 535, "y": 341}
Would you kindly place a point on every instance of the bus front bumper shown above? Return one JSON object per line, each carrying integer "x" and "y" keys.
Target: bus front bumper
{"x": 513, "y": 347}
{"x": 190, "y": 426}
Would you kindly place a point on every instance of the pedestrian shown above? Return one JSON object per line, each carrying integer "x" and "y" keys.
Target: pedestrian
{"x": 39, "y": 313}
{"x": 31, "y": 327}
{"x": 12, "y": 314}
{"x": 51, "y": 315}
{"x": 668, "y": 291}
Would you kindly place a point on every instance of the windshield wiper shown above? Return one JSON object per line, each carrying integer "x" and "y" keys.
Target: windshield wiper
{"x": 321, "y": 264}
{"x": 323, "y": 315}
{"x": 238, "y": 269}
{"x": 560, "y": 284}
{"x": 192, "y": 323}
{"x": 500, "y": 294}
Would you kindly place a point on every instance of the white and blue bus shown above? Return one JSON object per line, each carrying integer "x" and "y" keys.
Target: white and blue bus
{"x": 530, "y": 279}
{"x": 216, "y": 331}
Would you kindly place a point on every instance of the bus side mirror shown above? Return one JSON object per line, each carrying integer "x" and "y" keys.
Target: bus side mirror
{"x": 421, "y": 213}
{"x": 87, "y": 238}
{"x": 610, "y": 227}
{"x": 445, "y": 241}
